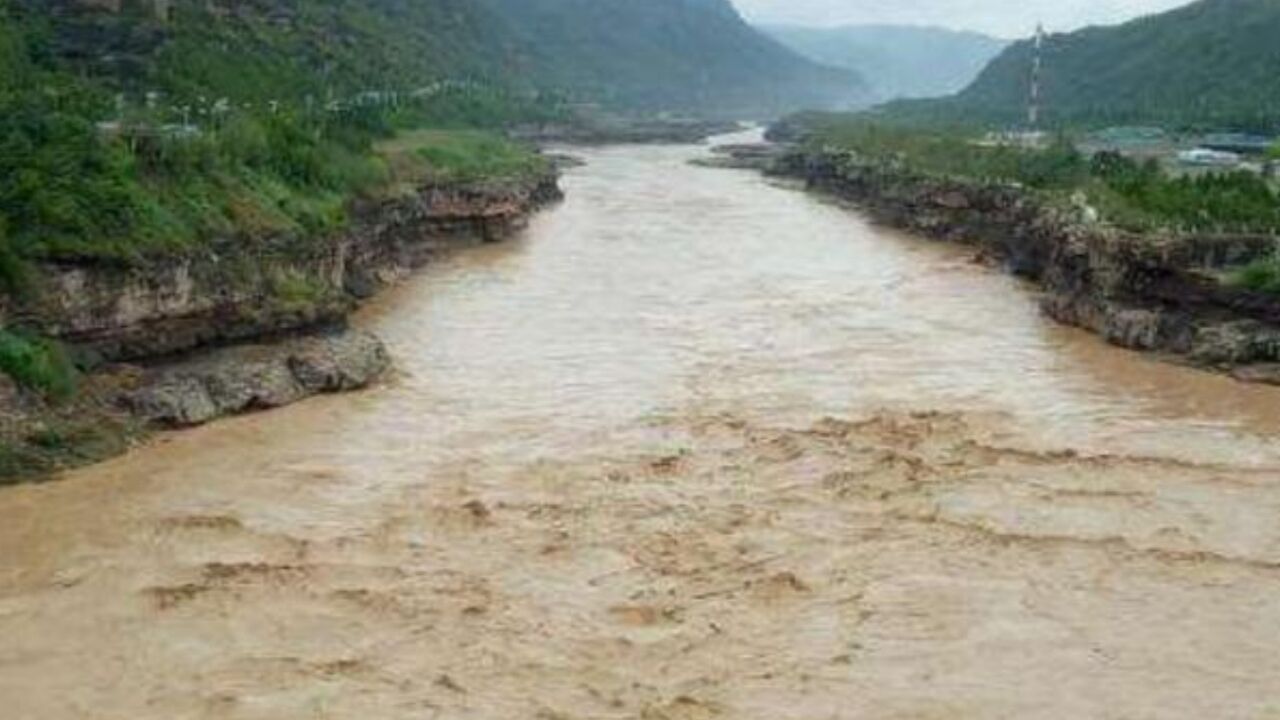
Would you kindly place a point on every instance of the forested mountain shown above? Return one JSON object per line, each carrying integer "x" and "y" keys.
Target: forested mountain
{"x": 669, "y": 54}
{"x": 1213, "y": 63}
{"x": 676, "y": 55}
{"x": 897, "y": 61}
{"x": 250, "y": 49}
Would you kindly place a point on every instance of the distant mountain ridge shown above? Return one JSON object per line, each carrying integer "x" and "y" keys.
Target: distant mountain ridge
{"x": 1212, "y": 64}
{"x": 898, "y": 61}
{"x": 671, "y": 55}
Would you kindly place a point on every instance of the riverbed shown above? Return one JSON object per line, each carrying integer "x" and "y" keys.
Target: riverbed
{"x": 696, "y": 445}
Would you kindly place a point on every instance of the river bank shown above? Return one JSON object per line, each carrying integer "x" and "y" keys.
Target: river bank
{"x": 1160, "y": 293}
{"x": 239, "y": 326}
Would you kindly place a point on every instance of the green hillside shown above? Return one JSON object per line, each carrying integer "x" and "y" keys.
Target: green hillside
{"x": 897, "y": 61}
{"x": 679, "y": 55}
{"x": 270, "y": 49}
{"x": 124, "y": 133}
{"x": 675, "y": 55}
{"x": 1213, "y": 63}
{"x": 130, "y": 128}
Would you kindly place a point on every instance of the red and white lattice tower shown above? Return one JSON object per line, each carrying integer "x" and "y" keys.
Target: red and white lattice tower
{"x": 1033, "y": 104}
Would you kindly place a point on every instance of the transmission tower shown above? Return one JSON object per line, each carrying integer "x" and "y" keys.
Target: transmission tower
{"x": 1037, "y": 60}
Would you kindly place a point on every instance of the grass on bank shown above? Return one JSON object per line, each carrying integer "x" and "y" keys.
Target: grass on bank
{"x": 1260, "y": 275}
{"x": 37, "y": 364}
{"x": 419, "y": 156}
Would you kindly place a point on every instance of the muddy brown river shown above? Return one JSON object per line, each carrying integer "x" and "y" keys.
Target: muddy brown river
{"x": 696, "y": 446}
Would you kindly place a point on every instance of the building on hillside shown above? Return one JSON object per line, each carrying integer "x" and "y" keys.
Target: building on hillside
{"x": 1124, "y": 138}
{"x": 1135, "y": 141}
{"x": 1208, "y": 157}
{"x": 162, "y": 10}
{"x": 1238, "y": 143}
{"x": 1026, "y": 139}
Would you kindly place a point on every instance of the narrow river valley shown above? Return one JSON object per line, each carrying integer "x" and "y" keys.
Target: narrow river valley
{"x": 696, "y": 445}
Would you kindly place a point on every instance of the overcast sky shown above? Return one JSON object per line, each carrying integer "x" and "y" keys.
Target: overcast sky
{"x": 1006, "y": 18}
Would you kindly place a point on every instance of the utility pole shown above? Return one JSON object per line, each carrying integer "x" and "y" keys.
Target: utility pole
{"x": 1033, "y": 106}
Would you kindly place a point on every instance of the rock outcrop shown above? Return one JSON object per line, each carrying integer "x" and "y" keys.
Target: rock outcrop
{"x": 239, "y": 379}
{"x": 239, "y": 289}
{"x": 1162, "y": 294}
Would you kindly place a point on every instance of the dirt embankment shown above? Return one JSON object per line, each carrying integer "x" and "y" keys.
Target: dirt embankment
{"x": 1154, "y": 293}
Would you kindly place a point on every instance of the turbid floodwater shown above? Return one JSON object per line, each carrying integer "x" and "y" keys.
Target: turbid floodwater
{"x": 696, "y": 446}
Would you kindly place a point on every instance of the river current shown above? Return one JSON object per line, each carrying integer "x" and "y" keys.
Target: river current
{"x": 696, "y": 445}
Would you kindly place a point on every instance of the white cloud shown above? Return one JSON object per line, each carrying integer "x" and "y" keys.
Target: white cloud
{"x": 1007, "y": 18}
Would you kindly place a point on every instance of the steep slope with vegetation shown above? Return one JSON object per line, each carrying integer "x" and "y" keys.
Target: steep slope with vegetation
{"x": 678, "y": 55}
{"x": 898, "y": 61}
{"x": 261, "y": 49}
{"x": 1213, "y": 64}
{"x": 215, "y": 125}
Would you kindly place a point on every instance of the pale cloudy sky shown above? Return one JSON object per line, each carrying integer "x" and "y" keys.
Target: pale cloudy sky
{"x": 1006, "y": 18}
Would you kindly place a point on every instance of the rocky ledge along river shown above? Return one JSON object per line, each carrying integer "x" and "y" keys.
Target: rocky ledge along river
{"x": 695, "y": 446}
